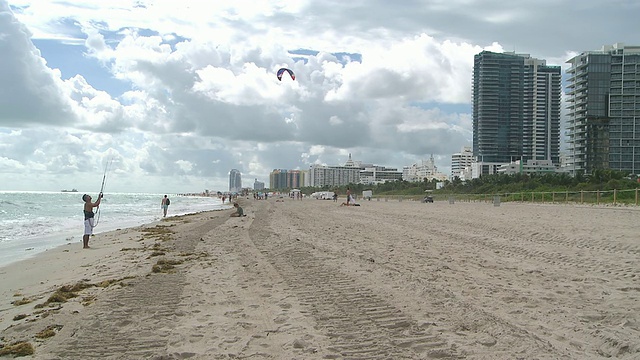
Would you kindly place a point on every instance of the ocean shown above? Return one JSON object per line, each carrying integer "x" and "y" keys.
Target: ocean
{"x": 33, "y": 222}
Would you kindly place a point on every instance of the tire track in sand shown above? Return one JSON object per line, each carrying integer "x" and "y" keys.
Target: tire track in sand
{"x": 359, "y": 324}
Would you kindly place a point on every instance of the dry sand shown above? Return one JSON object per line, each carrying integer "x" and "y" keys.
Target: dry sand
{"x": 312, "y": 280}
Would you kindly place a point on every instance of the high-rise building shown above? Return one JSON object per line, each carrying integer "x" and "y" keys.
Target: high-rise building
{"x": 278, "y": 179}
{"x": 286, "y": 179}
{"x": 603, "y": 103}
{"x": 516, "y": 108}
{"x": 235, "y": 181}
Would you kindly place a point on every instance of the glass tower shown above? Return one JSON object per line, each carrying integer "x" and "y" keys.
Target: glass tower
{"x": 516, "y": 108}
{"x": 235, "y": 181}
{"x": 603, "y": 101}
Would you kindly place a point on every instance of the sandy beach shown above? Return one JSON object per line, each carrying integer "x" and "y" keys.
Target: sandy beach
{"x": 312, "y": 280}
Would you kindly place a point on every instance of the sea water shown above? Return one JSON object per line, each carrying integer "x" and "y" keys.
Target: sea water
{"x": 33, "y": 222}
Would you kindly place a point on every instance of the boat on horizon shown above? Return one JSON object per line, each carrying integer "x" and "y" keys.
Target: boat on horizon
{"x": 72, "y": 190}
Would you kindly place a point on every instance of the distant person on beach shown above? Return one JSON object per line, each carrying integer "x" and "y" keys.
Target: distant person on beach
{"x": 350, "y": 202}
{"x": 239, "y": 212}
{"x": 88, "y": 218}
{"x": 348, "y": 196}
{"x": 335, "y": 196}
{"x": 165, "y": 205}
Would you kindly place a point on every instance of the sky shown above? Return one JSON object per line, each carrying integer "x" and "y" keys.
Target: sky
{"x": 168, "y": 96}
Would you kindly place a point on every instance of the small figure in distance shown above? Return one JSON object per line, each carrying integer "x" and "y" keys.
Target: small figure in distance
{"x": 88, "y": 218}
{"x": 165, "y": 205}
{"x": 335, "y": 196}
{"x": 239, "y": 212}
{"x": 350, "y": 202}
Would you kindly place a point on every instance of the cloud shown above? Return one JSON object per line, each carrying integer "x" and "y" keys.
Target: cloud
{"x": 31, "y": 92}
{"x": 389, "y": 83}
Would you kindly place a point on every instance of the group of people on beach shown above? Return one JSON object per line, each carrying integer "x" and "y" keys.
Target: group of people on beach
{"x": 164, "y": 205}
{"x": 89, "y": 214}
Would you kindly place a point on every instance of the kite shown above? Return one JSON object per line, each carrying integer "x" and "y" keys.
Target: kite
{"x": 281, "y": 72}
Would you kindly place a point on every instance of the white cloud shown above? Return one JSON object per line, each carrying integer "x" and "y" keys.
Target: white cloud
{"x": 203, "y": 96}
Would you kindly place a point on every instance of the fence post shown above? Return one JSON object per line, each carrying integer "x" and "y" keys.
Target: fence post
{"x": 532, "y": 198}
{"x": 566, "y": 197}
{"x": 636, "y": 196}
{"x": 581, "y": 196}
{"x": 598, "y": 197}
{"x": 615, "y": 192}
{"x": 553, "y": 197}
{"x": 542, "y": 198}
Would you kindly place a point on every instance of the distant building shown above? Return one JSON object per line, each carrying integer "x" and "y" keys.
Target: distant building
{"x": 295, "y": 179}
{"x": 516, "y": 109}
{"x": 352, "y": 172}
{"x": 427, "y": 169}
{"x": 322, "y": 175}
{"x": 479, "y": 168}
{"x": 461, "y": 163}
{"x": 528, "y": 167}
{"x": 603, "y": 97}
{"x": 235, "y": 181}
{"x": 258, "y": 185}
{"x": 278, "y": 179}
{"x": 379, "y": 174}
{"x": 286, "y": 179}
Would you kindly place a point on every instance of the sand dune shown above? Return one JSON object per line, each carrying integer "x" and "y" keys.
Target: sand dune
{"x": 312, "y": 280}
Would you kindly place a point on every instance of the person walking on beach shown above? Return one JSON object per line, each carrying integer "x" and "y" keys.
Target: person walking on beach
{"x": 88, "y": 218}
{"x": 348, "y": 196}
{"x": 165, "y": 205}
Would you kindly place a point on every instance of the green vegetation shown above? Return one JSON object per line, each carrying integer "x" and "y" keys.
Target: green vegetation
{"x": 602, "y": 180}
{"x": 563, "y": 187}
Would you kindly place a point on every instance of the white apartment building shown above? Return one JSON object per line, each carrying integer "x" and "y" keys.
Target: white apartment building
{"x": 379, "y": 174}
{"x": 484, "y": 168}
{"x": 528, "y": 167}
{"x": 427, "y": 169}
{"x": 258, "y": 185}
{"x": 323, "y": 175}
{"x": 461, "y": 163}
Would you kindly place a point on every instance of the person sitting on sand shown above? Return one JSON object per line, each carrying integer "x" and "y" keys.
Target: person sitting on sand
{"x": 239, "y": 212}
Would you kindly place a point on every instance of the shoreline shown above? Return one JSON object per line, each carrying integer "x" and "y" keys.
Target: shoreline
{"x": 51, "y": 231}
{"x": 313, "y": 280}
